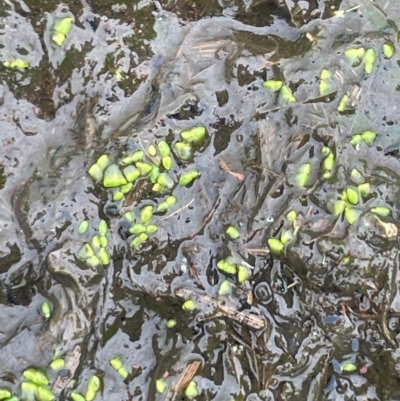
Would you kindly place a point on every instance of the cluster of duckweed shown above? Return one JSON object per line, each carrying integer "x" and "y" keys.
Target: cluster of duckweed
{"x": 355, "y": 57}
{"x": 59, "y": 31}
{"x": 285, "y": 94}
{"x": 349, "y": 202}
{"x": 94, "y": 252}
{"x": 37, "y": 385}
{"x": 93, "y": 388}
{"x": 191, "y": 390}
{"x": 6, "y": 395}
{"x": 152, "y": 165}
{"x": 118, "y": 364}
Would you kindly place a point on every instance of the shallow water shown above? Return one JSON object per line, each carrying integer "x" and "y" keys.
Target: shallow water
{"x": 134, "y": 73}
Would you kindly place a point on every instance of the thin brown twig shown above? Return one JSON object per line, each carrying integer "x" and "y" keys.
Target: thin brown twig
{"x": 186, "y": 376}
{"x": 225, "y": 167}
{"x": 177, "y": 211}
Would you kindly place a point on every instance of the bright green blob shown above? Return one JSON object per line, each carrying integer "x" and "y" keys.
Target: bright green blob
{"x": 381, "y": 211}
{"x": 152, "y": 150}
{"x": 273, "y": 85}
{"x": 292, "y": 216}
{"x": 162, "y": 207}
{"x": 28, "y": 391}
{"x": 167, "y": 162}
{"x": 343, "y": 103}
{"x": 187, "y": 177}
{"x": 113, "y": 177}
{"x": 161, "y": 386}
{"x": 351, "y": 195}
{"x": 164, "y": 149}
{"x": 337, "y": 207}
{"x": 96, "y": 172}
{"x": 83, "y": 227}
{"x": 349, "y": 367}
{"x": 286, "y": 236}
{"x": 137, "y": 229}
{"x": 95, "y": 242}
{"x": 196, "y": 135}
{"x": 16, "y": 63}
{"x": 275, "y": 245}
{"x": 104, "y": 257}
{"x": 4, "y": 393}
{"x": 352, "y": 214}
{"x": 227, "y": 267}
{"x": 117, "y": 196}
{"x": 131, "y": 173}
{"x": 286, "y": 95}
{"x": 171, "y": 200}
{"x": 103, "y": 161}
{"x": 146, "y": 214}
{"x": 137, "y": 156}
{"x": 233, "y": 232}
{"x": 329, "y": 162}
{"x": 77, "y": 397}
{"x": 62, "y": 25}
{"x": 191, "y": 390}
{"x": 94, "y": 384}
{"x": 85, "y": 252}
{"x": 225, "y": 288}
{"x": 93, "y": 261}
{"x": 244, "y": 274}
{"x": 189, "y": 305}
{"x": 388, "y": 50}
{"x": 368, "y": 137}
{"x": 165, "y": 181}
{"x": 171, "y": 323}
{"x": 57, "y": 364}
{"x": 184, "y": 150}
{"x": 144, "y": 168}
{"x": 356, "y": 176}
{"x": 36, "y": 376}
{"x": 44, "y": 394}
{"x": 116, "y": 362}
{"x": 151, "y": 228}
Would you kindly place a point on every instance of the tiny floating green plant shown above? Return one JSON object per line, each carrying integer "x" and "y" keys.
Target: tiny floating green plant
{"x": 368, "y": 137}
{"x": 227, "y": 266}
{"x": 16, "y": 63}
{"x": 369, "y": 60}
{"x": 275, "y": 245}
{"x": 232, "y": 232}
{"x": 303, "y": 175}
{"x": 45, "y": 309}
{"x": 118, "y": 365}
{"x": 190, "y": 139}
{"x": 94, "y": 386}
{"x": 343, "y": 103}
{"x": 355, "y": 56}
{"x": 325, "y": 83}
{"x": 191, "y": 390}
{"x": 388, "y": 50}
{"x": 273, "y": 85}
{"x": 328, "y": 162}
{"x": 161, "y": 386}
{"x": 60, "y": 30}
